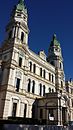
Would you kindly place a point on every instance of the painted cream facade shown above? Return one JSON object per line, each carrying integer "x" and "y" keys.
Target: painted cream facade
{"x": 26, "y": 76}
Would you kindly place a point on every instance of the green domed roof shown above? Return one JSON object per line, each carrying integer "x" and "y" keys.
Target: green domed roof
{"x": 54, "y": 41}
{"x": 21, "y": 6}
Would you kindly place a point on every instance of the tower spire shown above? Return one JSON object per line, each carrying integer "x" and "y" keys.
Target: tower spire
{"x": 18, "y": 27}
{"x": 21, "y": 6}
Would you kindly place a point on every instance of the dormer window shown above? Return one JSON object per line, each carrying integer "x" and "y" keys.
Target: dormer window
{"x": 22, "y": 36}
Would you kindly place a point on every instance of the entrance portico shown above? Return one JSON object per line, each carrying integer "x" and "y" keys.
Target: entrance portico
{"x": 54, "y": 109}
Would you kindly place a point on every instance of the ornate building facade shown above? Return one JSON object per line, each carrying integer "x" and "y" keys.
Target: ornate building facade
{"x": 31, "y": 85}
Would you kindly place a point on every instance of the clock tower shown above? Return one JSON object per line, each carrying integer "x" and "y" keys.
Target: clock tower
{"x": 55, "y": 58}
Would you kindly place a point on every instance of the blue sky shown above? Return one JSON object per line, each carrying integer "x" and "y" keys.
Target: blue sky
{"x": 45, "y": 17}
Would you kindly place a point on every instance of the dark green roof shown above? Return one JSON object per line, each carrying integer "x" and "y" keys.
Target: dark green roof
{"x": 21, "y": 6}
{"x": 54, "y": 41}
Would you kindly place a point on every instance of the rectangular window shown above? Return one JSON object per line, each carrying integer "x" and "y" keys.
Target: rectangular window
{"x": 41, "y": 113}
{"x": 14, "y": 109}
{"x": 43, "y": 90}
{"x": 40, "y": 71}
{"x": 22, "y": 36}
{"x": 34, "y": 68}
{"x": 51, "y": 114}
{"x": 44, "y": 72}
{"x": 40, "y": 89}
{"x": 33, "y": 87}
{"x": 17, "y": 84}
{"x": 52, "y": 78}
{"x": 20, "y": 61}
{"x": 25, "y": 110}
{"x": 49, "y": 76}
{"x": 30, "y": 66}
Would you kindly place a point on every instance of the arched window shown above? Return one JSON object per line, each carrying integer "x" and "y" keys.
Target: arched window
{"x": 49, "y": 76}
{"x": 22, "y": 36}
{"x": 29, "y": 85}
{"x": 34, "y": 68}
{"x": 43, "y": 90}
{"x": 40, "y": 71}
{"x": 52, "y": 90}
{"x": 61, "y": 84}
{"x": 30, "y": 66}
{"x": 17, "y": 84}
{"x": 20, "y": 61}
{"x": 40, "y": 89}
{"x": 52, "y": 78}
{"x": 49, "y": 90}
{"x": 44, "y": 73}
{"x": 33, "y": 86}
{"x": 60, "y": 65}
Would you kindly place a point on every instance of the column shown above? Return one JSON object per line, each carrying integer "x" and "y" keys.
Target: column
{"x": 31, "y": 84}
{"x": 30, "y": 111}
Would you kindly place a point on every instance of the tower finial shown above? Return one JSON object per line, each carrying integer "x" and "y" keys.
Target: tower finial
{"x": 54, "y": 36}
{"x": 21, "y": 1}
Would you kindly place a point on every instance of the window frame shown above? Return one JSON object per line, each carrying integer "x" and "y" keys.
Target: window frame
{"x": 22, "y": 36}
{"x": 17, "y": 84}
{"x": 20, "y": 61}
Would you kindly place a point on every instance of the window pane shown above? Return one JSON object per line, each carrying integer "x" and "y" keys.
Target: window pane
{"x": 29, "y": 83}
{"x": 49, "y": 90}
{"x": 43, "y": 90}
{"x": 30, "y": 66}
{"x": 44, "y": 74}
{"x": 17, "y": 84}
{"x": 40, "y": 89}
{"x": 33, "y": 87}
{"x": 61, "y": 84}
{"x": 22, "y": 36}
{"x": 52, "y": 77}
{"x": 20, "y": 61}
{"x": 40, "y": 71}
{"x": 49, "y": 77}
{"x": 34, "y": 68}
